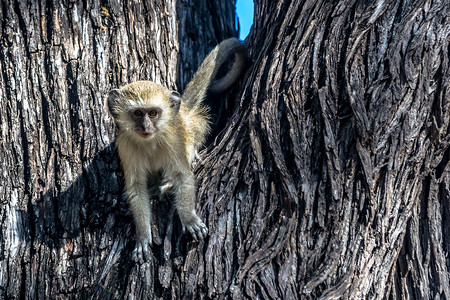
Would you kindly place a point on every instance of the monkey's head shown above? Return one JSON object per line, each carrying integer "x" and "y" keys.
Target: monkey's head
{"x": 143, "y": 108}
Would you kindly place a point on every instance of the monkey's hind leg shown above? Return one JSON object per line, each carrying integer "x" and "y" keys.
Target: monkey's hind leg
{"x": 165, "y": 186}
{"x": 159, "y": 184}
{"x": 184, "y": 190}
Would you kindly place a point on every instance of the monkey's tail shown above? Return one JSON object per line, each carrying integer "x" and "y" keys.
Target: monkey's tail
{"x": 196, "y": 89}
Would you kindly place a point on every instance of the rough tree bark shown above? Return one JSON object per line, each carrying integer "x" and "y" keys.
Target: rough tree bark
{"x": 66, "y": 231}
{"x": 331, "y": 179}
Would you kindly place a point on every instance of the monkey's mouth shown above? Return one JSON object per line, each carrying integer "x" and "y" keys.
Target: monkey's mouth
{"x": 144, "y": 134}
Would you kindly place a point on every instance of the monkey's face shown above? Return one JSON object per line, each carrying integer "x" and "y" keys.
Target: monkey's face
{"x": 143, "y": 109}
{"x": 145, "y": 120}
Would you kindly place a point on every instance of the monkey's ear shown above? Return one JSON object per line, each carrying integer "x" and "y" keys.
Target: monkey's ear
{"x": 175, "y": 99}
{"x": 113, "y": 101}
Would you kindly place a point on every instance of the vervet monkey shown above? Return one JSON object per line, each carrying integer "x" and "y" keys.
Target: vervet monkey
{"x": 159, "y": 133}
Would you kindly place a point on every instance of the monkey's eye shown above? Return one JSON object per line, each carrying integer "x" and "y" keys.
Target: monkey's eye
{"x": 152, "y": 113}
{"x": 138, "y": 113}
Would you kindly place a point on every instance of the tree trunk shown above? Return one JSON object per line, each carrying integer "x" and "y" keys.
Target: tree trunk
{"x": 331, "y": 179}
{"x": 66, "y": 231}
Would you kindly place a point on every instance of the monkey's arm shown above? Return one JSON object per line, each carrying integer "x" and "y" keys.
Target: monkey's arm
{"x": 184, "y": 192}
{"x": 196, "y": 90}
{"x": 139, "y": 201}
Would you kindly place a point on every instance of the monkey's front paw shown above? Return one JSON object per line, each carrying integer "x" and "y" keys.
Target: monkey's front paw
{"x": 142, "y": 252}
{"x": 196, "y": 227}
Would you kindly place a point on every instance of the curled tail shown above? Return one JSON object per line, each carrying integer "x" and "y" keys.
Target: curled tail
{"x": 196, "y": 89}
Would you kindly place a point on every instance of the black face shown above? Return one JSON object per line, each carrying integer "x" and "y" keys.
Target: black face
{"x": 145, "y": 120}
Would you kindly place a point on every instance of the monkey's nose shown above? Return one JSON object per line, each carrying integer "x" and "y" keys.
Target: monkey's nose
{"x": 148, "y": 130}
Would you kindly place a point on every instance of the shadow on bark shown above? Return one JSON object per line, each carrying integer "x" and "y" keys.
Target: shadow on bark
{"x": 92, "y": 216}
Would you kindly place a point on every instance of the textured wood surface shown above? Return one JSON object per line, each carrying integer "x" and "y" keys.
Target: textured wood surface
{"x": 66, "y": 231}
{"x": 330, "y": 180}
